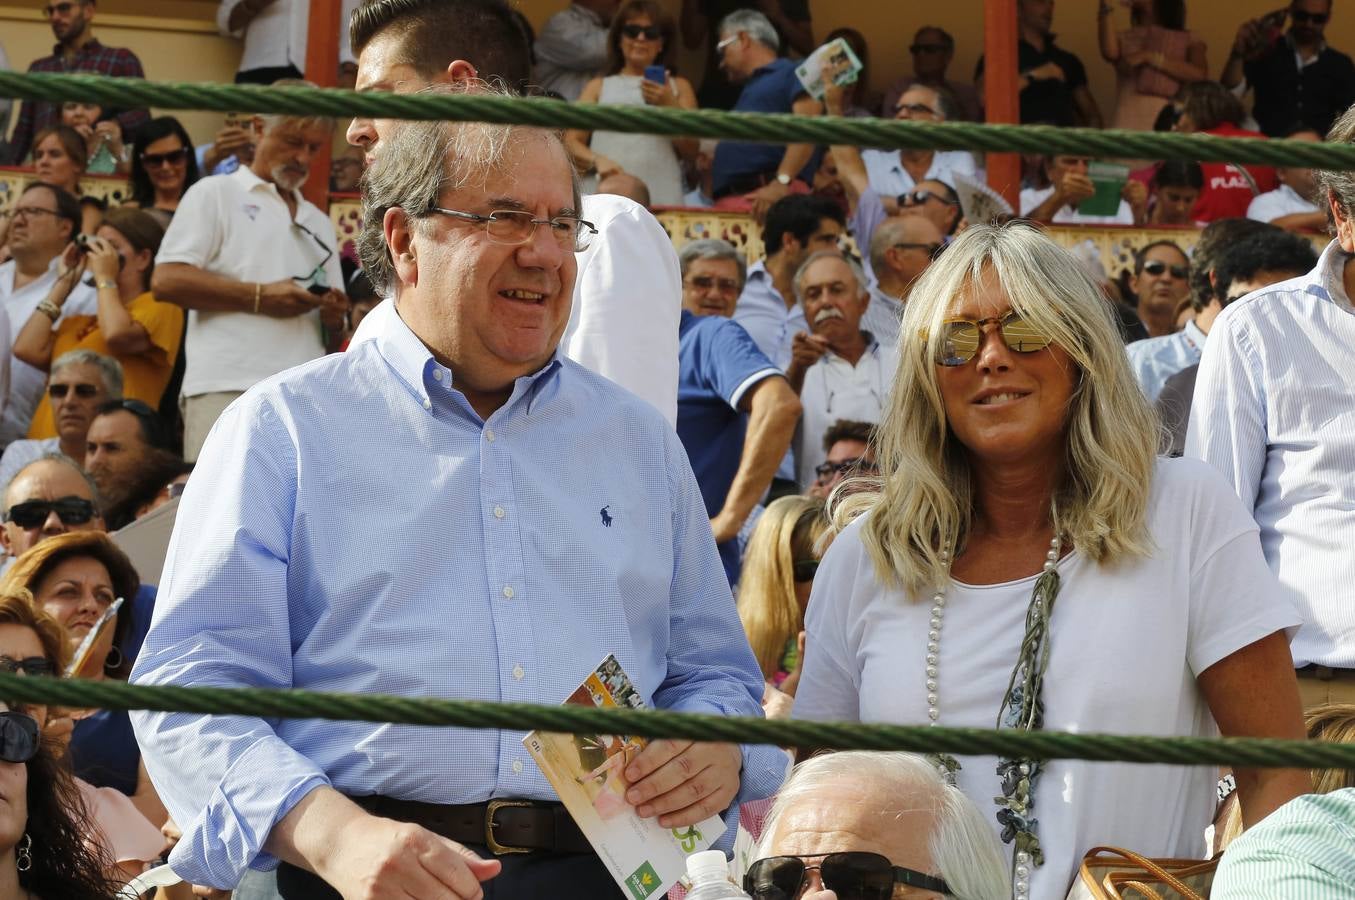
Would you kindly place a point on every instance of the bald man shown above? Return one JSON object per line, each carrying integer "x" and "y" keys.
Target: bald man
{"x": 900, "y": 250}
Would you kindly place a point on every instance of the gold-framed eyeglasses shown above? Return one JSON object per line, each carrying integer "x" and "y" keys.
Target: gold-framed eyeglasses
{"x": 961, "y": 338}
{"x": 517, "y": 226}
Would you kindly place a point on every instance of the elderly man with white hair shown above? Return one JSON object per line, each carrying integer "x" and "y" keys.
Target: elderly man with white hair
{"x": 840, "y": 369}
{"x": 856, "y": 825}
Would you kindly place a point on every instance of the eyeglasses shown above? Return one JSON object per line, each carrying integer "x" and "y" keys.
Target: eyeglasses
{"x": 320, "y": 266}
{"x": 853, "y": 875}
{"x": 917, "y": 109}
{"x": 917, "y": 198}
{"x": 27, "y": 211}
{"x": 29, "y": 665}
{"x": 18, "y": 737}
{"x": 927, "y": 48}
{"x": 960, "y": 338}
{"x": 32, "y": 513}
{"x": 803, "y": 570}
{"x": 1157, "y": 267}
{"x": 1299, "y": 15}
{"x": 513, "y": 226}
{"x": 707, "y": 282}
{"x": 720, "y": 47}
{"x": 826, "y": 470}
{"x": 648, "y": 32}
{"x": 172, "y": 158}
{"x": 932, "y": 250}
{"x": 83, "y": 391}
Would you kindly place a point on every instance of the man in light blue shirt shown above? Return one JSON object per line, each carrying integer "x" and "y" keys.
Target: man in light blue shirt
{"x": 450, "y": 509}
{"x": 1302, "y": 851}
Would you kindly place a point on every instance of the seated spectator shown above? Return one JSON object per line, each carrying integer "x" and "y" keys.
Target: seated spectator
{"x": 345, "y": 170}
{"x": 130, "y": 325}
{"x": 642, "y": 37}
{"x": 572, "y": 47}
{"x": 74, "y": 578}
{"x": 127, "y": 444}
{"x": 894, "y": 172}
{"x": 1052, "y": 81}
{"x": 848, "y": 452}
{"x": 1069, "y": 185}
{"x": 46, "y": 221}
{"x": 1301, "y": 850}
{"x": 778, "y": 572}
{"x": 933, "y": 50}
{"x": 99, "y": 131}
{"x": 936, "y": 200}
{"x": 1176, "y": 186}
{"x": 1153, "y": 58}
{"x": 751, "y": 177}
{"x": 80, "y": 383}
{"x": 736, "y": 414}
{"x": 900, "y": 251}
{"x": 859, "y": 823}
{"x": 1290, "y": 206}
{"x": 839, "y": 370}
{"x": 48, "y": 497}
{"x": 1161, "y": 282}
{"x": 827, "y": 183}
{"x": 624, "y": 184}
{"x": 164, "y": 167}
{"x": 59, "y": 158}
{"x": 1208, "y": 107}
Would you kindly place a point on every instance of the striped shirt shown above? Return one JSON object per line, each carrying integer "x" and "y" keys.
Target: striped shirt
{"x": 1305, "y": 850}
{"x": 1274, "y": 410}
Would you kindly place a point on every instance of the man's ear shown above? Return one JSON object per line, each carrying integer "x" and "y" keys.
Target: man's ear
{"x": 790, "y": 242}
{"x": 458, "y": 70}
{"x": 398, "y": 229}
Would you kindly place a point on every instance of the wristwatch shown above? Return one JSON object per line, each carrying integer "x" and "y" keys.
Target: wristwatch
{"x": 783, "y": 178}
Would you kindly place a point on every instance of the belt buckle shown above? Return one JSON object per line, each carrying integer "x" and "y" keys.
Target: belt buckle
{"x": 494, "y": 846}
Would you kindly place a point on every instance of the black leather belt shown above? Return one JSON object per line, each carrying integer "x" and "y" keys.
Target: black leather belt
{"x": 1325, "y": 673}
{"x": 504, "y": 826}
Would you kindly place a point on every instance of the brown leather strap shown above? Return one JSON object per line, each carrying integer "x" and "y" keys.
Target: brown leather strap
{"x": 505, "y": 826}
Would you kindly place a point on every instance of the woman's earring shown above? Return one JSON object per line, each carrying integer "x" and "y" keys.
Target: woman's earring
{"x": 114, "y": 659}
{"x": 23, "y": 857}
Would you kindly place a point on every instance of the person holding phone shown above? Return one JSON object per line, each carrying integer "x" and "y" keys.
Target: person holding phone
{"x": 641, "y": 49}
{"x": 1299, "y": 81}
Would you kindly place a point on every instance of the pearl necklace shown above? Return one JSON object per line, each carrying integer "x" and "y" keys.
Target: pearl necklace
{"x": 948, "y": 765}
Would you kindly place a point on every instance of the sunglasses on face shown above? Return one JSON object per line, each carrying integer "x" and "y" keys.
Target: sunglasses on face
{"x": 917, "y": 198}
{"x": 1157, "y": 267}
{"x": 18, "y": 737}
{"x": 172, "y": 158}
{"x": 648, "y": 32}
{"x": 854, "y": 875}
{"x": 29, "y": 665}
{"x": 961, "y": 338}
{"x": 83, "y": 391}
{"x": 1299, "y": 15}
{"x": 32, "y": 513}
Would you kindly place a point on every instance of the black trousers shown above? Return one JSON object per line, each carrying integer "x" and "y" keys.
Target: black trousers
{"x": 563, "y": 876}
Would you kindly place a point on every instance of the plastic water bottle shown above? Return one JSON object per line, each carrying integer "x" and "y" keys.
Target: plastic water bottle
{"x": 708, "y": 871}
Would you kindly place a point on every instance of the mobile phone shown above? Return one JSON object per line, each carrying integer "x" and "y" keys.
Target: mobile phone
{"x": 656, "y": 74}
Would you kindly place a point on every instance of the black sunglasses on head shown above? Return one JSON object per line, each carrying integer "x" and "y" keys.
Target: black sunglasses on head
{"x": 635, "y": 32}
{"x": 32, "y": 513}
{"x": 1157, "y": 267}
{"x": 18, "y": 737}
{"x": 853, "y": 875}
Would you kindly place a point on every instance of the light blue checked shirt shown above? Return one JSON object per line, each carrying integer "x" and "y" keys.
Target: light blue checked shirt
{"x": 353, "y": 525}
{"x": 1156, "y": 359}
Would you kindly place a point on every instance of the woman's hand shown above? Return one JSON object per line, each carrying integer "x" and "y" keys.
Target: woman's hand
{"x": 57, "y": 731}
{"x": 657, "y": 94}
{"x": 111, "y": 132}
{"x": 69, "y": 270}
{"x": 102, "y": 259}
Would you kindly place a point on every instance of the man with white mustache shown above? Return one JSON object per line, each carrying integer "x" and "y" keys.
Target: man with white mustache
{"x": 839, "y": 370}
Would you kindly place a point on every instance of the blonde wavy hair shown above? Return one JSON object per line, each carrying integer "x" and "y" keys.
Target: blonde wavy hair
{"x": 789, "y": 530}
{"x": 927, "y": 500}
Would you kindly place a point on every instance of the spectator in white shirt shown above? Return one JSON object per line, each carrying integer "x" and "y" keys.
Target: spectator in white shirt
{"x": 275, "y": 35}
{"x": 893, "y": 172}
{"x": 254, "y": 263}
{"x": 571, "y": 49}
{"x": 1069, "y": 185}
{"x": 1290, "y": 206}
{"x": 1272, "y": 411}
{"x": 839, "y": 370}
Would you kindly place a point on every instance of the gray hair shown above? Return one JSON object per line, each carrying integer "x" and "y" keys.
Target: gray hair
{"x": 1338, "y": 185}
{"x": 273, "y": 121}
{"x": 110, "y": 370}
{"x": 65, "y": 461}
{"x": 947, "y": 104}
{"x": 712, "y": 248}
{"x": 862, "y": 284}
{"x": 964, "y": 850}
{"x": 754, "y": 24}
{"x": 419, "y": 161}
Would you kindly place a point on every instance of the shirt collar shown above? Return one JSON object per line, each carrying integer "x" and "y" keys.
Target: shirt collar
{"x": 1329, "y": 276}
{"x": 1194, "y": 335}
{"x": 89, "y": 48}
{"x": 253, "y": 182}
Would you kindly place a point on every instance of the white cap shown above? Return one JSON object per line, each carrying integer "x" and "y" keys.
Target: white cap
{"x": 707, "y": 866}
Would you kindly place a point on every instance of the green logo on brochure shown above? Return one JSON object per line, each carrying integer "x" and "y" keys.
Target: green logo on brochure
{"x": 643, "y": 882}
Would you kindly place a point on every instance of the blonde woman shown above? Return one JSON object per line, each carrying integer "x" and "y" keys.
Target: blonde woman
{"x": 778, "y": 571}
{"x": 1030, "y": 563}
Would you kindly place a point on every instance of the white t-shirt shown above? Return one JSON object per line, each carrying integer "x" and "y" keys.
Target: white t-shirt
{"x": 238, "y": 226}
{"x": 888, "y": 177}
{"x": 1033, "y": 197}
{"x": 277, "y": 36}
{"x": 1128, "y": 643}
{"x": 1283, "y": 201}
{"x": 25, "y": 382}
{"x": 835, "y": 389}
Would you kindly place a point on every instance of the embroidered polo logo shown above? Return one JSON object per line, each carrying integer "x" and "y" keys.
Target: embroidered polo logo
{"x": 252, "y": 210}
{"x": 606, "y": 516}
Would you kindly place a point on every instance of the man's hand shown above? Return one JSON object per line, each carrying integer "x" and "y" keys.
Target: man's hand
{"x": 1135, "y": 193}
{"x": 334, "y": 310}
{"x": 285, "y": 299}
{"x": 230, "y": 141}
{"x": 1074, "y": 187}
{"x": 682, "y": 782}
{"x": 805, "y": 350}
{"x": 378, "y": 858}
{"x": 763, "y": 198}
{"x": 1249, "y": 40}
{"x": 724, "y": 527}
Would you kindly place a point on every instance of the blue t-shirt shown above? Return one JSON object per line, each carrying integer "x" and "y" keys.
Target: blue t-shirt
{"x": 104, "y": 751}
{"x": 717, "y": 363}
{"x": 770, "y": 89}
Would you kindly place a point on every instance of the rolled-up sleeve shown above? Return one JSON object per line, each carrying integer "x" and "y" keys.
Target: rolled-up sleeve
{"x": 222, "y": 619}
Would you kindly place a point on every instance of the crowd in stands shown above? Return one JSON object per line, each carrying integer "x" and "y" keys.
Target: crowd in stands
{"x": 911, "y": 466}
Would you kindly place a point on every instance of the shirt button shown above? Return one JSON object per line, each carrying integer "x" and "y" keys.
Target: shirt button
{"x": 428, "y": 404}
{"x": 518, "y": 673}
{"x": 498, "y": 512}
{"x": 508, "y": 591}
{"x": 437, "y": 374}
{"x": 517, "y": 767}
{"x": 489, "y": 435}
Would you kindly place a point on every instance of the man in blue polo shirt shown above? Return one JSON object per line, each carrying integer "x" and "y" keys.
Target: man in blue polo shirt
{"x": 736, "y": 411}
{"x": 751, "y": 177}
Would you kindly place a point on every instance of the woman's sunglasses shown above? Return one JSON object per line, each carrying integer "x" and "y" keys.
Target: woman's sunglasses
{"x": 854, "y": 875}
{"x": 960, "y": 338}
{"x": 172, "y": 158}
{"x": 648, "y": 32}
{"x": 18, "y": 737}
{"x": 29, "y": 665}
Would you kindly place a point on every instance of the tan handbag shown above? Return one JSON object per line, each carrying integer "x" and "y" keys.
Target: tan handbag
{"x": 1112, "y": 873}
